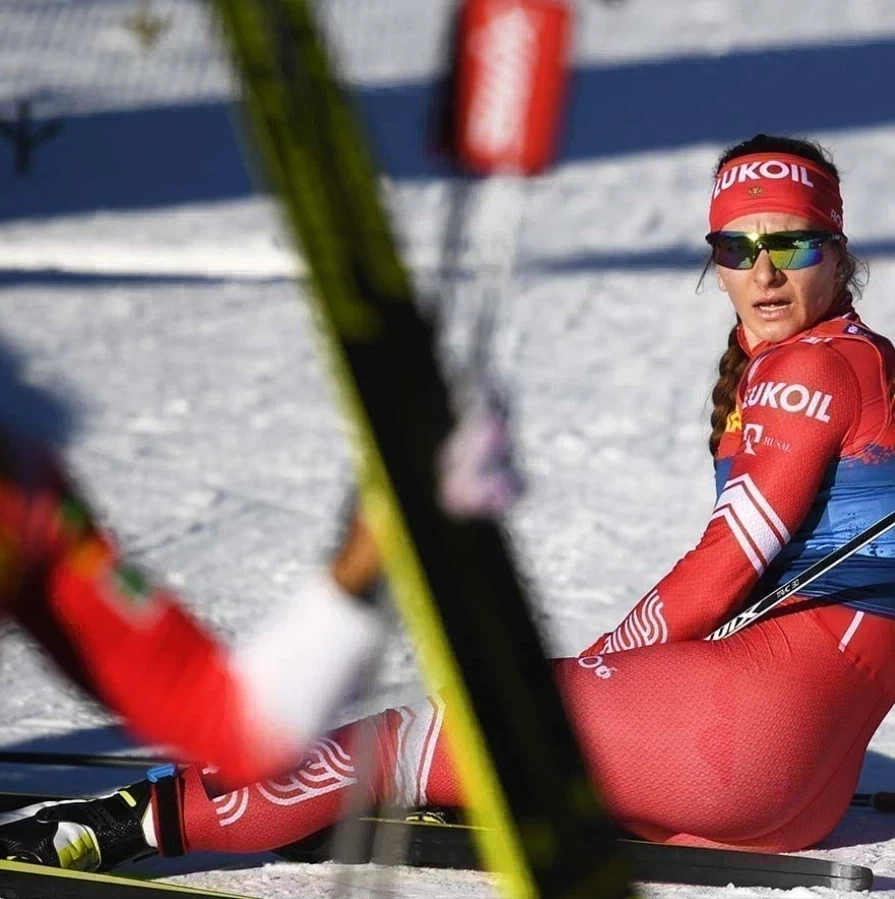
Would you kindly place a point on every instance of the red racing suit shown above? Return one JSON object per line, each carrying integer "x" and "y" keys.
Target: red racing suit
{"x": 806, "y": 463}
{"x": 755, "y": 741}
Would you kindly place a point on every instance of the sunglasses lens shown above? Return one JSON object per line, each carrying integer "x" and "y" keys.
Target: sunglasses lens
{"x": 788, "y": 251}
{"x": 796, "y": 258}
{"x": 734, "y": 252}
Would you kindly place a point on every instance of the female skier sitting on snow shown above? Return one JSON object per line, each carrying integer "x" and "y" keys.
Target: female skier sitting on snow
{"x": 752, "y": 742}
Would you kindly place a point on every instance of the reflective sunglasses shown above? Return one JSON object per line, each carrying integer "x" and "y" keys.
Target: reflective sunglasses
{"x": 787, "y": 249}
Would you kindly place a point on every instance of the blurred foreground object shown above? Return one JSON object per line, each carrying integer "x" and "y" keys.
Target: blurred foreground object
{"x": 132, "y": 645}
{"x": 508, "y": 83}
{"x": 454, "y": 580}
{"x": 479, "y": 478}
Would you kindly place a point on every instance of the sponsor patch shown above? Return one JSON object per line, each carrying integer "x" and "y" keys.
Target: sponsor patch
{"x": 790, "y": 398}
{"x": 754, "y": 436}
{"x": 861, "y": 332}
{"x": 734, "y": 422}
{"x": 771, "y": 169}
{"x": 595, "y": 663}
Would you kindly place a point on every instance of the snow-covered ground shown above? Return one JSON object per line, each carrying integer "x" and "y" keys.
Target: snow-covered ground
{"x": 159, "y": 299}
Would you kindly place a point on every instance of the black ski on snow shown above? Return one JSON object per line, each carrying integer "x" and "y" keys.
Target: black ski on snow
{"x": 451, "y": 846}
{"x": 454, "y": 582}
{"x": 434, "y": 846}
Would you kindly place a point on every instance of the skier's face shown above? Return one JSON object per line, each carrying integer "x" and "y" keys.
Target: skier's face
{"x": 774, "y": 304}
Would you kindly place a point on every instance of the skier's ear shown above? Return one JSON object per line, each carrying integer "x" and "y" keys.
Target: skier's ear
{"x": 721, "y": 285}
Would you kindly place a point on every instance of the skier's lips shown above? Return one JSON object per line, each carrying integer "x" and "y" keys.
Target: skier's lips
{"x": 772, "y": 309}
{"x": 770, "y": 300}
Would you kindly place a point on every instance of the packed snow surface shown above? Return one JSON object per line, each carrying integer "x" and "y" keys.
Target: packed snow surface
{"x": 163, "y": 304}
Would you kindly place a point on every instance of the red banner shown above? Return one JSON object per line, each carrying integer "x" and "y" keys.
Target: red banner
{"x": 510, "y": 83}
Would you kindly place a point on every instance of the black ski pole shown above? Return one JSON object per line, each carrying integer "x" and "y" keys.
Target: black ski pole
{"x": 882, "y": 802}
{"x": 78, "y": 760}
{"x": 809, "y": 575}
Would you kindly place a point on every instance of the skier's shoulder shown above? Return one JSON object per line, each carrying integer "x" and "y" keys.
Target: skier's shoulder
{"x": 808, "y": 358}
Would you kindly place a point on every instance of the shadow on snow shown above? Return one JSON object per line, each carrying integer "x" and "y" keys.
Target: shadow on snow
{"x": 675, "y": 259}
{"x": 190, "y": 154}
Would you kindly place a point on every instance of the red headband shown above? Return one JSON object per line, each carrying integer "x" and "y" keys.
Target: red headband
{"x": 776, "y": 182}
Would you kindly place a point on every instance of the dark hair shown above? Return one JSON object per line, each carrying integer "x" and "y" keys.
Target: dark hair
{"x": 852, "y": 274}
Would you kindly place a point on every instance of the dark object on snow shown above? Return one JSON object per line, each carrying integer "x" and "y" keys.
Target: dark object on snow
{"x": 429, "y": 842}
{"x": 25, "y": 136}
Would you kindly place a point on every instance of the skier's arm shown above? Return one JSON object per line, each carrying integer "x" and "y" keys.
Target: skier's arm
{"x": 800, "y": 406}
{"x": 250, "y": 712}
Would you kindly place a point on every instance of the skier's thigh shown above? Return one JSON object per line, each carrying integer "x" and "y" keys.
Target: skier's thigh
{"x": 729, "y": 734}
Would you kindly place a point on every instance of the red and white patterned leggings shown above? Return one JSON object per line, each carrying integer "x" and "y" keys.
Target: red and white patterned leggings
{"x": 752, "y": 742}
